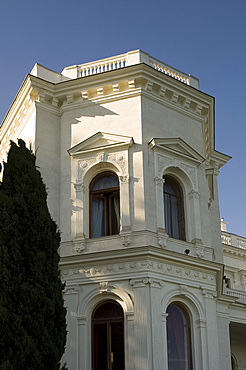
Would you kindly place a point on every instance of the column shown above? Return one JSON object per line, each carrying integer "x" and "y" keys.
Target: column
{"x": 148, "y": 334}
{"x": 212, "y": 332}
{"x": 83, "y": 341}
{"x": 164, "y": 329}
{"x": 124, "y": 202}
{"x": 129, "y": 338}
{"x": 79, "y": 240}
{"x": 71, "y": 352}
{"x": 196, "y": 219}
{"x": 224, "y": 341}
{"x": 201, "y": 351}
{"x": 160, "y": 203}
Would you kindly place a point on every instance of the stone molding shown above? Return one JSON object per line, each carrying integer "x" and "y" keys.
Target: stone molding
{"x": 162, "y": 239}
{"x": 119, "y": 159}
{"x": 211, "y": 294}
{"x": 166, "y": 271}
{"x": 164, "y": 161}
{"x": 79, "y": 244}
{"x": 144, "y": 282}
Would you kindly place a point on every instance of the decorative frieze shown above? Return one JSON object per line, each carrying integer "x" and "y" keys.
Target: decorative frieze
{"x": 166, "y": 270}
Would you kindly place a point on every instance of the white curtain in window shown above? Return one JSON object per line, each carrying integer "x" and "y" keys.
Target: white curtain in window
{"x": 97, "y": 218}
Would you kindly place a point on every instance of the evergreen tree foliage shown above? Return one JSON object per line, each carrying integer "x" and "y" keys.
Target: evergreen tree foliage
{"x": 32, "y": 313}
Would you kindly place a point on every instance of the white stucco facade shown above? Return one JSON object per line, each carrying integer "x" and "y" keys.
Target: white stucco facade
{"x": 144, "y": 121}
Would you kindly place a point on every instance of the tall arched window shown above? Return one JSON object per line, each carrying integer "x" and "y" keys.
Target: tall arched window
{"x": 174, "y": 208}
{"x": 108, "y": 337}
{"x": 104, "y": 205}
{"x": 178, "y": 338}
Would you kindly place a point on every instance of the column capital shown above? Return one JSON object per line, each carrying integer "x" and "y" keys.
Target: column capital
{"x": 144, "y": 282}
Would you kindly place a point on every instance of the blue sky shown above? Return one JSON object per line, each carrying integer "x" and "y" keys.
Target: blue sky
{"x": 204, "y": 38}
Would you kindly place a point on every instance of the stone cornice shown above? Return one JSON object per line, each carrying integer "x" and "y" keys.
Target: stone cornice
{"x": 234, "y": 251}
{"x": 127, "y": 79}
{"x": 144, "y": 269}
{"x": 135, "y": 80}
{"x": 131, "y": 255}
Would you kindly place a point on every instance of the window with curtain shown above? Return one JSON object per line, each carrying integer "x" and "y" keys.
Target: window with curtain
{"x": 108, "y": 337}
{"x": 178, "y": 338}
{"x": 104, "y": 205}
{"x": 173, "y": 208}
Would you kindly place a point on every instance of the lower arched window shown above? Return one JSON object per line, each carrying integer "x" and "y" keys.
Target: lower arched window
{"x": 174, "y": 208}
{"x": 104, "y": 205}
{"x": 108, "y": 337}
{"x": 178, "y": 338}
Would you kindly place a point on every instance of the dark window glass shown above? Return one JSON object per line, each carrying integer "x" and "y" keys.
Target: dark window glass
{"x": 104, "y": 205}
{"x": 178, "y": 339}
{"x": 108, "y": 337}
{"x": 174, "y": 208}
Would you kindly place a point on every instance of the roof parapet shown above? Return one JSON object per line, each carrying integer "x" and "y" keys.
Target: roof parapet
{"x": 47, "y": 74}
{"x": 124, "y": 60}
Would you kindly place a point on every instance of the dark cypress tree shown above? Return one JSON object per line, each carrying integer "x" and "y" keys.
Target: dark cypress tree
{"x": 32, "y": 313}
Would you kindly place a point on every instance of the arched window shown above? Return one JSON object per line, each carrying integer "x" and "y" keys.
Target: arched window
{"x": 174, "y": 208}
{"x": 108, "y": 337}
{"x": 104, "y": 205}
{"x": 178, "y": 338}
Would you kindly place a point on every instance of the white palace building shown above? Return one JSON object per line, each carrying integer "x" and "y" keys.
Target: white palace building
{"x": 126, "y": 149}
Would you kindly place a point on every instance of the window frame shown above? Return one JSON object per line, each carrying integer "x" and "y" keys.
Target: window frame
{"x": 180, "y": 208}
{"x": 188, "y": 325}
{"x": 107, "y": 321}
{"x": 108, "y": 225}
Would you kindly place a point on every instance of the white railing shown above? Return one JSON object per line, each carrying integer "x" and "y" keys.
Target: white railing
{"x": 226, "y": 239}
{"x": 241, "y": 243}
{"x": 125, "y": 60}
{"x": 101, "y": 66}
{"x": 241, "y": 296}
{"x": 164, "y": 68}
{"x": 233, "y": 240}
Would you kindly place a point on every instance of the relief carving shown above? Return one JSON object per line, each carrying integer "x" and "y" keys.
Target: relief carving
{"x": 79, "y": 245}
{"x": 83, "y": 166}
{"x": 120, "y": 160}
{"x": 165, "y": 162}
{"x": 168, "y": 270}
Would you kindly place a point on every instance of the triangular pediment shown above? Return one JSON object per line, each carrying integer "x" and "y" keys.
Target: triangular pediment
{"x": 100, "y": 141}
{"x": 178, "y": 147}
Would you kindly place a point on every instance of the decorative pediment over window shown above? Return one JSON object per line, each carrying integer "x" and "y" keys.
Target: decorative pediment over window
{"x": 104, "y": 149}
{"x": 101, "y": 141}
{"x": 176, "y": 147}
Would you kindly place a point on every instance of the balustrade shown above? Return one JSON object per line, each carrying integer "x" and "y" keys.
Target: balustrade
{"x": 241, "y": 243}
{"x": 241, "y": 296}
{"x": 233, "y": 240}
{"x": 226, "y": 239}
{"x": 128, "y": 59}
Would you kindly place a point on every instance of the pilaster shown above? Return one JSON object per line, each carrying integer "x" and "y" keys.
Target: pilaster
{"x": 148, "y": 333}
{"x": 212, "y": 332}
